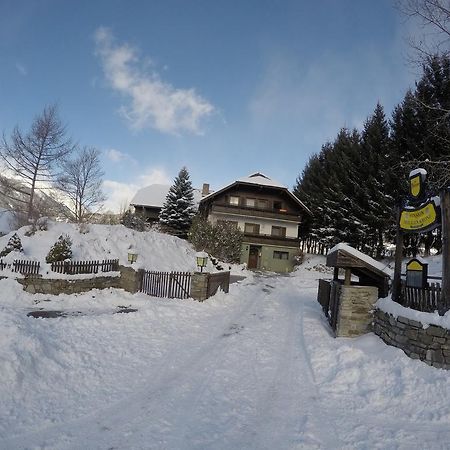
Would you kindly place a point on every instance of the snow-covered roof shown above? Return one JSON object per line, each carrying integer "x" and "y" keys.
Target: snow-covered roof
{"x": 261, "y": 180}
{"x": 362, "y": 256}
{"x": 155, "y": 195}
{"x": 258, "y": 179}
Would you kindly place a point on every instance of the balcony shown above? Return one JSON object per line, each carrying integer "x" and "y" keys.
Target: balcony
{"x": 254, "y": 212}
{"x": 269, "y": 239}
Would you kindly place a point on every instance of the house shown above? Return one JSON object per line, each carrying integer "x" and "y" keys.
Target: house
{"x": 149, "y": 200}
{"x": 267, "y": 213}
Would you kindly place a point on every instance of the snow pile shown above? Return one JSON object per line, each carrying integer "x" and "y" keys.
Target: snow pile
{"x": 156, "y": 251}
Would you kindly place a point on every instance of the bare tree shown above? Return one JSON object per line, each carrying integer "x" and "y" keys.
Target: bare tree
{"x": 81, "y": 181}
{"x": 32, "y": 156}
{"x": 433, "y": 17}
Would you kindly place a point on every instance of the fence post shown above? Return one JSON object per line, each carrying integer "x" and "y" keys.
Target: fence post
{"x": 199, "y": 286}
{"x": 445, "y": 288}
{"x": 130, "y": 280}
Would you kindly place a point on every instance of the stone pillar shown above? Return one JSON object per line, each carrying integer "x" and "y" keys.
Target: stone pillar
{"x": 199, "y": 286}
{"x": 130, "y": 279}
{"x": 355, "y": 310}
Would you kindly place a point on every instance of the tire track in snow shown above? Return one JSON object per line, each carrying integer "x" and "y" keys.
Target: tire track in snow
{"x": 141, "y": 403}
{"x": 291, "y": 405}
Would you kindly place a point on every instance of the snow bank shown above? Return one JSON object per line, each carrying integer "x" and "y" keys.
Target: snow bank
{"x": 156, "y": 251}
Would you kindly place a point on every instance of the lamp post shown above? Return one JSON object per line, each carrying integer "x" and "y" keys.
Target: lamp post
{"x": 132, "y": 255}
{"x": 202, "y": 259}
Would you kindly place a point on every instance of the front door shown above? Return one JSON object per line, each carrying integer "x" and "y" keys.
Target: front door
{"x": 253, "y": 257}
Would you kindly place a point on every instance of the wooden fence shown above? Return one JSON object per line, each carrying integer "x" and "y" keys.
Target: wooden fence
{"x": 218, "y": 280}
{"x": 426, "y": 299}
{"x": 25, "y": 267}
{"x": 77, "y": 267}
{"x": 166, "y": 284}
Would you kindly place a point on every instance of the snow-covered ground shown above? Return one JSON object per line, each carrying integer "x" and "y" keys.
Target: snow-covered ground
{"x": 255, "y": 369}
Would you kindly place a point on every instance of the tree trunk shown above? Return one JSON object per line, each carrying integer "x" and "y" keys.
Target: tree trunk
{"x": 445, "y": 212}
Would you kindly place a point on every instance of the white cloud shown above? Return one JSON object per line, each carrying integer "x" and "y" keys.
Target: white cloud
{"x": 116, "y": 155}
{"x": 152, "y": 102}
{"x": 120, "y": 194}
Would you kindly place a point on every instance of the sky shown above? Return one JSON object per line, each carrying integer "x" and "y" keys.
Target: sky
{"x": 225, "y": 88}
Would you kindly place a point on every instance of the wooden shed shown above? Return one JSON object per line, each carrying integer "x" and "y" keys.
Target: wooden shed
{"x": 346, "y": 302}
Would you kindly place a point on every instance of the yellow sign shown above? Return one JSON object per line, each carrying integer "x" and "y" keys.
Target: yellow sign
{"x": 415, "y": 185}
{"x": 418, "y": 219}
{"x": 414, "y": 265}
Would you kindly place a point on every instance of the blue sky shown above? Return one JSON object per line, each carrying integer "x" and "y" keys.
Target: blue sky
{"x": 225, "y": 88}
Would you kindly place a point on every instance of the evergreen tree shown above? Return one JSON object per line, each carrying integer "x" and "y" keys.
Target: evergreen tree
{"x": 60, "y": 250}
{"x": 376, "y": 201}
{"x": 14, "y": 244}
{"x": 178, "y": 209}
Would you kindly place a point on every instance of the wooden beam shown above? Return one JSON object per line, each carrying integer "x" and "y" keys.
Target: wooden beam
{"x": 396, "y": 283}
{"x": 348, "y": 277}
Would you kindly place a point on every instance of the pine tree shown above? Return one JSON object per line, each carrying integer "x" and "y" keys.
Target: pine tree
{"x": 178, "y": 209}
{"x": 377, "y": 202}
{"x": 61, "y": 250}
{"x": 14, "y": 244}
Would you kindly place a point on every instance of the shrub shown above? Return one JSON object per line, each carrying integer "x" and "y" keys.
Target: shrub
{"x": 61, "y": 250}
{"x": 133, "y": 221}
{"x": 14, "y": 244}
{"x": 222, "y": 240}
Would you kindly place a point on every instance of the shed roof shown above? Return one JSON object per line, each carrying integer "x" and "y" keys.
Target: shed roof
{"x": 344, "y": 256}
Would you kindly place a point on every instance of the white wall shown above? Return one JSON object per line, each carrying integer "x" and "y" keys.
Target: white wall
{"x": 265, "y": 224}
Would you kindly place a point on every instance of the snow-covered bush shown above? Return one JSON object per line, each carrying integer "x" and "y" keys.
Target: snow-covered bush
{"x": 61, "y": 250}
{"x": 14, "y": 244}
{"x": 222, "y": 240}
{"x": 133, "y": 221}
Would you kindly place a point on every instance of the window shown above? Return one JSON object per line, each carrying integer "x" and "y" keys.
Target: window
{"x": 280, "y": 255}
{"x": 250, "y": 202}
{"x": 251, "y": 228}
{"x": 234, "y": 200}
{"x": 279, "y": 231}
{"x": 277, "y": 205}
{"x": 261, "y": 204}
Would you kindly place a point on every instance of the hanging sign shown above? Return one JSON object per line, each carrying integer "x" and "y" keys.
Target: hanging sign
{"x": 424, "y": 218}
{"x": 421, "y": 213}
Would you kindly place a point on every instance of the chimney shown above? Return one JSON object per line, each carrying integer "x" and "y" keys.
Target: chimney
{"x": 205, "y": 189}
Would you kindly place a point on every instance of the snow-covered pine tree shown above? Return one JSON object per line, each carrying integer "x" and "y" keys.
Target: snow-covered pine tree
{"x": 178, "y": 210}
{"x": 14, "y": 244}
{"x": 375, "y": 169}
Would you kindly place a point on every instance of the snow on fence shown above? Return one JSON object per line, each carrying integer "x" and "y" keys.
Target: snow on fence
{"x": 166, "y": 284}
{"x": 78, "y": 267}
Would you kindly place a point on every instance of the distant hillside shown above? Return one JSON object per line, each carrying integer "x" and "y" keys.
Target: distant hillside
{"x": 14, "y": 197}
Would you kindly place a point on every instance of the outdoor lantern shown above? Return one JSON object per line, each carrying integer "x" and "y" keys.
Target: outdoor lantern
{"x": 132, "y": 255}
{"x": 202, "y": 259}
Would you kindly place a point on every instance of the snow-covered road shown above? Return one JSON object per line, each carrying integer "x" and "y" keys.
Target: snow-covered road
{"x": 255, "y": 369}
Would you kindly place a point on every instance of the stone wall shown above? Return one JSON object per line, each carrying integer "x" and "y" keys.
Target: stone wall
{"x": 129, "y": 280}
{"x": 355, "y": 310}
{"x": 431, "y": 345}
{"x": 37, "y": 285}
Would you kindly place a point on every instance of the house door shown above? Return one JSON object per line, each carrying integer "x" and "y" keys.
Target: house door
{"x": 253, "y": 257}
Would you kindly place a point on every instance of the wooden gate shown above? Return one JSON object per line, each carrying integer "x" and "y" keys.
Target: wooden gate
{"x": 166, "y": 284}
{"x": 216, "y": 280}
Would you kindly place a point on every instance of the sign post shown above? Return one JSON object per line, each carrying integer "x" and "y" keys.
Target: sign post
{"x": 445, "y": 211}
{"x": 423, "y": 212}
